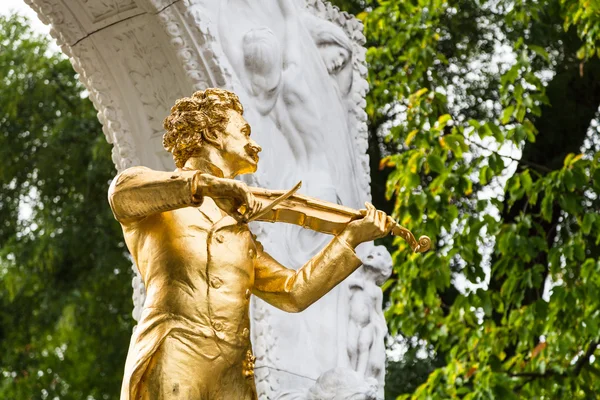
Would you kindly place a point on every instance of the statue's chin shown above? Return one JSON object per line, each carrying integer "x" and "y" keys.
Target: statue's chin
{"x": 249, "y": 169}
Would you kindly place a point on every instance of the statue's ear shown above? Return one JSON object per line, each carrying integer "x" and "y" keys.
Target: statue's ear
{"x": 213, "y": 138}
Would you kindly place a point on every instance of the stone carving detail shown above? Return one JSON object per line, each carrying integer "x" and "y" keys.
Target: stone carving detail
{"x": 336, "y": 384}
{"x": 87, "y": 63}
{"x": 64, "y": 27}
{"x": 197, "y": 41}
{"x": 366, "y": 327}
{"x": 189, "y": 55}
{"x": 150, "y": 73}
{"x": 99, "y": 10}
{"x": 355, "y": 101}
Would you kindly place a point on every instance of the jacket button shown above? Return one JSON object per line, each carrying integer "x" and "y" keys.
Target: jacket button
{"x": 247, "y": 293}
{"x": 219, "y": 238}
{"x": 218, "y": 326}
{"x": 245, "y": 333}
{"x": 216, "y": 282}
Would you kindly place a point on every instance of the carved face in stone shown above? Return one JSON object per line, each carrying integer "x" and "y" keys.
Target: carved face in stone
{"x": 238, "y": 149}
{"x": 262, "y": 58}
{"x": 378, "y": 264}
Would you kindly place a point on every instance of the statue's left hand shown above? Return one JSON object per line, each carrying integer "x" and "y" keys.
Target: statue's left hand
{"x": 374, "y": 225}
{"x": 230, "y": 195}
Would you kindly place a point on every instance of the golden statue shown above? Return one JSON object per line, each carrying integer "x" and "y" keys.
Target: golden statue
{"x": 188, "y": 234}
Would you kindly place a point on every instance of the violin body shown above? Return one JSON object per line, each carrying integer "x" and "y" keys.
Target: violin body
{"x": 320, "y": 216}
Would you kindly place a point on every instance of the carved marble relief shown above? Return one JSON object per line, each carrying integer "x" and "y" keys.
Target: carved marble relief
{"x": 364, "y": 329}
{"x": 99, "y": 10}
{"x": 150, "y": 72}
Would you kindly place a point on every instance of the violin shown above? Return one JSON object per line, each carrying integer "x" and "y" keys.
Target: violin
{"x": 318, "y": 215}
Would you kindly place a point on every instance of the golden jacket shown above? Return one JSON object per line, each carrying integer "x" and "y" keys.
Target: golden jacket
{"x": 199, "y": 272}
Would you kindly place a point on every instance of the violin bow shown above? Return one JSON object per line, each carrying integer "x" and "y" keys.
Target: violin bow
{"x": 275, "y": 202}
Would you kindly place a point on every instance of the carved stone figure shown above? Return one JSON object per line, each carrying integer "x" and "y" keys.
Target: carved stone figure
{"x": 337, "y": 384}
{"x": 367, "y": 327}
{"x": 188, "y": 234}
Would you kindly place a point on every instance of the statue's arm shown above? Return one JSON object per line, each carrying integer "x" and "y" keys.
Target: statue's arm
{"x": 139, "y": 191}
{"x": 294, "y": 291}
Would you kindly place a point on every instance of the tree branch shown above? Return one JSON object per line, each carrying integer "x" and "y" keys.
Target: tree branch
{"x": 579, "y": 365}
{"x": 583, "y": 361}
{"x": 519, "y": 160}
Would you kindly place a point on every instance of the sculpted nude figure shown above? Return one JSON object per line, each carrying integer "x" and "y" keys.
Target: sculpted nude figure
{"x": 188, "y": 235}
{"x": 367, "y": 327}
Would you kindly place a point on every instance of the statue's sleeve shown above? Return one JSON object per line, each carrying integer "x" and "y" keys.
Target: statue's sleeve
{"x": 139, "y": 191}
{"x": 294, "y": 291}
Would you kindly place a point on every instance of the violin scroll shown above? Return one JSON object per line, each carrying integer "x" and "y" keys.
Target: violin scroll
{"x": 420, "y": 246}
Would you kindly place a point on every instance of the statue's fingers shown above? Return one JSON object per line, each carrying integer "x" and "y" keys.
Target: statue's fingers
{"x": 256, "y": 208}
{"x": 381, "y": 220}
{"x": 390, "y": 223}
{"x": 377, "y": 217}
{"x": 250, "y": 205}
{"x": 371, "y": 211}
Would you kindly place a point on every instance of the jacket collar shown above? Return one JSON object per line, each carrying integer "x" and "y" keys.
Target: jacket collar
{"x": 206, "y": 167}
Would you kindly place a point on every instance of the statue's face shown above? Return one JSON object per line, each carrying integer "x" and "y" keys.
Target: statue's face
{"x": 239, "y": 150}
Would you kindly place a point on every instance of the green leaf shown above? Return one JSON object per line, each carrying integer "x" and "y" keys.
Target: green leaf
{"x": 496, "y": 132}
{"x": 411, "y": 135}
{"x": 547, "y": 205}
{"x": 540, "y": 51}
{"x": 588, "y": 222}
{"x": 526, "y": 181}
{"x": 568, "y": 159}
{"x": 443, "y": 120}
{"x": 521, "y": 110}
{"x": 507, "y": 114}
{"x": 496, "y": 163}
{"x": 474, "y": 123}
{"x": 435, "y": 163}
{"x": 485, "y": 175}
{"x": 511, "y": 74}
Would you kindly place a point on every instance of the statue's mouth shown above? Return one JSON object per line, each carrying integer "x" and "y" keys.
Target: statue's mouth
{"x": 252, "y": 152}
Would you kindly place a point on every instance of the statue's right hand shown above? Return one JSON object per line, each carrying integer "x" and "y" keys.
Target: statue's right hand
{"x": 230, "y": 195}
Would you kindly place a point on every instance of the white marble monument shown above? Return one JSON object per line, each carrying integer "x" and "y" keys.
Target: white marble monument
{"x": 298, "y": 67}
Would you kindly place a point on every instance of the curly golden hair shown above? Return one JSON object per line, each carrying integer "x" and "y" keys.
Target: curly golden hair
{"x": 192, "y": 117}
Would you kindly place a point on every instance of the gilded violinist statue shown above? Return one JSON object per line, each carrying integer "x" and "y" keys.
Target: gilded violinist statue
{"x": 188, "y": 234}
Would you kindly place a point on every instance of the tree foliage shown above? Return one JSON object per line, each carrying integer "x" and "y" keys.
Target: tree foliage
{"x": 483, "y": 135}
{"x": 65, "y": 294}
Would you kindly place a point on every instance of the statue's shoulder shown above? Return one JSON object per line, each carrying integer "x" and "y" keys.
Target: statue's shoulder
{"x": 124, "y": 177}
{"x": 134, "y": 171}
{"x": 129, "y": 174}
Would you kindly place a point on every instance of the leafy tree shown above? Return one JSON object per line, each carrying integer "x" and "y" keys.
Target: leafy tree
{"x": 483, "y": 118}
{"x": 65, "y": 294}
